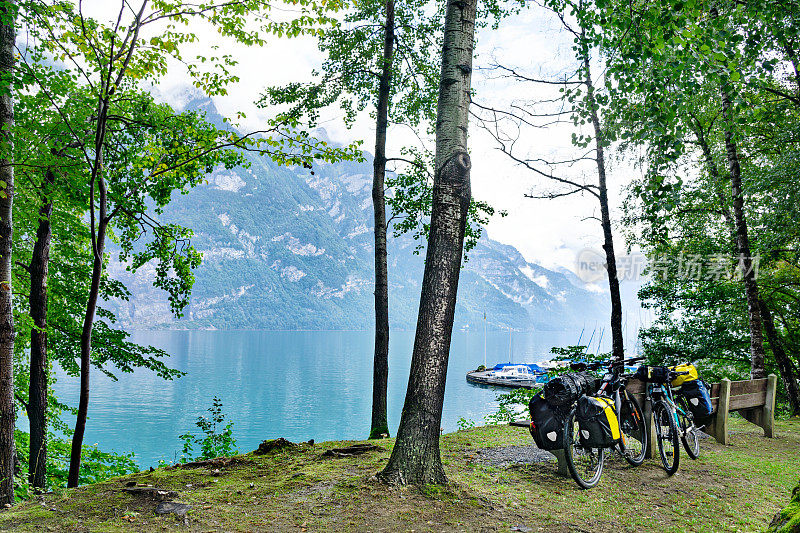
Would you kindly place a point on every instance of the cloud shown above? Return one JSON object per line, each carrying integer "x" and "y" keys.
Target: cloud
{"x": 548, "y": 232}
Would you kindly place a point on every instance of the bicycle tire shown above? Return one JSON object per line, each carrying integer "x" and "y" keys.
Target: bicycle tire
{"x": 634, "y": 429}
{"x": 689, "y": 436}
{"x": 667, "y": 435}
{"x": 585, "y": 468}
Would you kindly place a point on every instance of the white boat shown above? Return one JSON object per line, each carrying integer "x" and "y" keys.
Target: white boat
{"x": 513, "y": 373}
{"x": 550, "y": 365}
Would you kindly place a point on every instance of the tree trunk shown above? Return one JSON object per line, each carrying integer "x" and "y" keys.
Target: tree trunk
{"x": 415, "y": 456}
{"x": 86, "y": 345}
{"x": 708, "y": 157}
{"x": 380, "y": 374}
{"x": 785, "y": 364}
{"x": 8, "y": 9}
{"x": 743, "y": 244}
{"x": 99, "y": 224}
{"x": 86, "y": 351}
{"x": 617, "y": 340}
{"x": 37, "y": 391}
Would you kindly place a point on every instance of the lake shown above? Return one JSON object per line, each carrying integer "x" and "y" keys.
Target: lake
{"x": 295, "y": 384}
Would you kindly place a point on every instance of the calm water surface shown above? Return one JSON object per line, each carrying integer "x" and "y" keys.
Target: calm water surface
{"x": 294, "y": 384}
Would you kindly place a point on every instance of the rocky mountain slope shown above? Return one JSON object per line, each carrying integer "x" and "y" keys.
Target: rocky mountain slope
{"x": 287, "y": 249}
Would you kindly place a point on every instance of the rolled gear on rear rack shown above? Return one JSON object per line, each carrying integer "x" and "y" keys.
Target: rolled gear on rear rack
{"x": 652, "y": 374}
{"x": 567, "y": 388}
{"x": 683, "y": 378}
{"x": 695, "y": 390}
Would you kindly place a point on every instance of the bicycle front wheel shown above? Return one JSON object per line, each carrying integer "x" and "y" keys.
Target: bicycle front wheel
{"x": 634, "y": 431}
{"x": 585, "y": 464}
{"x": 689, "y": 432}
{"x": 667, "y": 435}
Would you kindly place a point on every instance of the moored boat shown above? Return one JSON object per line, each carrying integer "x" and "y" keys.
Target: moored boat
{"x": 509, "y": 375}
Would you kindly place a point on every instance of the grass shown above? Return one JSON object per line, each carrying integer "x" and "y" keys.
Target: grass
{"x": 730, "y": 488}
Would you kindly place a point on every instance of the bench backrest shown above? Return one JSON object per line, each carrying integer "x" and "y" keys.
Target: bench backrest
{"x": 744, "y": 394}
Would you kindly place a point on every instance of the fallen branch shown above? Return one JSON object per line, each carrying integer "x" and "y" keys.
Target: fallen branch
{"x": 217, "y": 461}
{"x": 350, "y": 451}
{"x": 151, "y": 492}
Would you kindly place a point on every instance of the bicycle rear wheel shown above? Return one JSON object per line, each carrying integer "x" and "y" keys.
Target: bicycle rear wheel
{"x": 667, "y": 435}
{"x": 585, "y": 464}
{"x": 689, "y": 432}
{"x": 634, "y": 431}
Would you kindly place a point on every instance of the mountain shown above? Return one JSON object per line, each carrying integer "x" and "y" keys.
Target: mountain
{"x": 291, "y": 248}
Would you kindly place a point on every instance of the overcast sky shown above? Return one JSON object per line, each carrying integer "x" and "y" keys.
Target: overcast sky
{"x": 548, "y": 232}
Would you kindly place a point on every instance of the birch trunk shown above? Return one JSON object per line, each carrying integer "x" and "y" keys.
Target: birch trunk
{"x": 786, "y": 366}
{"x": 743, "y": 244}
{"x": 8, "y": 10}
{"x": 415, "y": 457}
{"x": 380, "y": 377}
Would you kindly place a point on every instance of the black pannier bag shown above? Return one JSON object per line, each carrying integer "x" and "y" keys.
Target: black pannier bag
{"x": 598, "y": 422}
{"x": 697, "y": 395}
{"x": 547, "y": 424}
{"x": 652, "y": 374}
{"x": 567, "y": 388}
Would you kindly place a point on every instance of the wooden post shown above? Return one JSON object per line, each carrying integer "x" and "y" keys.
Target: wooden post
{"x": 721, "y": 418}
{"x": 768, "y": 418}
{"x": 652, "y": 444}
{"x": 561, "y": 457}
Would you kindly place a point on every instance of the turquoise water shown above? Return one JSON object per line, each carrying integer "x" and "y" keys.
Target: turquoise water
{"x": 294, "y": 384}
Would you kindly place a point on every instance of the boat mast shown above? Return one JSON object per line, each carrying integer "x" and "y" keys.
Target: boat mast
{"x": 484, "y": 338}
{"x": 510, "y": 352}
{"x": 588, "y": 344}
{"x": 597, "y": 351}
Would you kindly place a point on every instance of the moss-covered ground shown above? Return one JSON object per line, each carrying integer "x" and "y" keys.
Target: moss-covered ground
{"x": 730, "y": 488}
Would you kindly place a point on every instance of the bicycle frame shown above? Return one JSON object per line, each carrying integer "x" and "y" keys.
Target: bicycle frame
{"x": 613, "y": 386}
{"x": 663, "y": 391}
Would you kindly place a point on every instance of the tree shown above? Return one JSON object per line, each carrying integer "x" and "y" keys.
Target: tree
{"x": 687, "y": 75}
{"x": 37, "y": 299}
{"x": 743, "y": 239}
{"x": 50, "y": 207}
{"x": 8, "y": 14}
{"x": 581, "y": 100}
{"x": 380, "y": 374}
{"x": 47, "y": 187}
{"x": 135, "y": 152}
{"x": 415, "y": 457}
{"x": 788, "y": 369}
{"x": 381, "y": 56}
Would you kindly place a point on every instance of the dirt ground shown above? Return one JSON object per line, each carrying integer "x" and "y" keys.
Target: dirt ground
{"x": 498, "y": 482}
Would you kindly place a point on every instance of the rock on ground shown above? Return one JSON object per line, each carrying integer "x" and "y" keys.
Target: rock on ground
{"x": 176, "y": 508}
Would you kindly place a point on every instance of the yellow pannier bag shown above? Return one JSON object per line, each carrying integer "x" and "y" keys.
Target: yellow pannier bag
{"x": 597, "y": 418}
{"x": 686, "y": 367}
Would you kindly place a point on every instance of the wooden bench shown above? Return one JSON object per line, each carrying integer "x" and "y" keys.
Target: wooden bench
{"x": 754, "y": 399}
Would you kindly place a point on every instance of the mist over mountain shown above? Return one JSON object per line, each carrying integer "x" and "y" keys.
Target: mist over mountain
{"x": 287, "y": 249}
